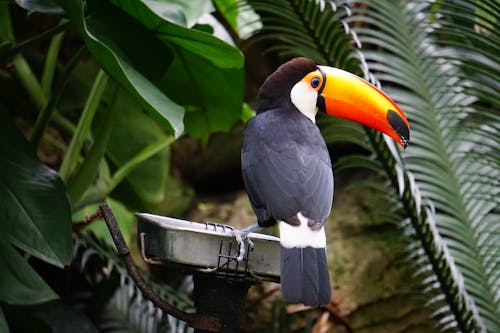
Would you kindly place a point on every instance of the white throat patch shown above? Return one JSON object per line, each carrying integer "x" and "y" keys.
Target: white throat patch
{"x": 304, "y": 98}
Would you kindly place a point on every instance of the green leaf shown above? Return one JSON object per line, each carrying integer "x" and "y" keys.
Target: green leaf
{"x": 246, "y": 112}
{"x": 155, "y": 47}
{"x": 88, "y": 170}
{"x": 241, "y": 17}
{"x": 229, "y": 10}
{"x": 79, "y": 85}
{"x": 439, "y": 95}
{"x": 180, "y": 12}
{"x": 19, "y": 283}
{"x": 182, "y": 39}
{"x": 138, "y": 131}
{"x": 204, "y": 113}
{"x": 53, "y": 316}
{"x": 40, "y": 6}
{"x": 4, "y": 327}
{"x": 135, "y": 59}
{"x": 35, "y": 211}
{"x": 83, "y": 128}
{"x": 206, "y": 75}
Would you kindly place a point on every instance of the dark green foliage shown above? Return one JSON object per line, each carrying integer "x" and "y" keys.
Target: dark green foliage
{"x": 35, "y": 217}
{"x": 308, "y": 29}
{"x": 46, "y": 317}
{"x": 35, "y": 209}
{"x": 438, "y": 60}
{"x": 123, "y": 308}
{"x": 151, "y": 58}
{"x": 96, "y": 295}
{"x": 162, "y": 56}
{"x": 448, "y": 159}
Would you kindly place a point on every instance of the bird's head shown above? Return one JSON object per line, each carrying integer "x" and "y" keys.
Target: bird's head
{"x": 311, "y": 88}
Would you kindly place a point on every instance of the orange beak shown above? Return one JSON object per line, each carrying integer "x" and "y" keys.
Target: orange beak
{"x": 348, "y": 96}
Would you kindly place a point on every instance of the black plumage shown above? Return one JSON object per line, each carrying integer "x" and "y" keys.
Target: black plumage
{"x": 306, "y": 272}
{"x": 287, "y": 170}
{"x": 286, "y": 167}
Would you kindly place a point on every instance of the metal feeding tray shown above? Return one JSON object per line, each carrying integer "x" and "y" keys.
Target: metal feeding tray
{"x": 208, "y": 247}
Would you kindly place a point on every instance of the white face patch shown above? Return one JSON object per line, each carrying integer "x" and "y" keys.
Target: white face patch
{"x": 301, "y": 236}
{"x": 304, "y": 97}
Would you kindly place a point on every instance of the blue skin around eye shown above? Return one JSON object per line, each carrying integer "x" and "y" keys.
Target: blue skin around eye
{"x": 315, "y": 82}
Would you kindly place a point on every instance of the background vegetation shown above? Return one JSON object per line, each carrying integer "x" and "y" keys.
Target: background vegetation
{"x": 141, "y": 103}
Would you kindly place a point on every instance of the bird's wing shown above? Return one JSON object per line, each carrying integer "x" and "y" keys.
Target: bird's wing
{"x": 285, "y": 175}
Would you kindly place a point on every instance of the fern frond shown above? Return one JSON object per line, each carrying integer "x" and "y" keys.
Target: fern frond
{"x": 297, "y": 28}
{"x": 463, "y": 190}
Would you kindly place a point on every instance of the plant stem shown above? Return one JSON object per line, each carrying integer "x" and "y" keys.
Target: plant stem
{"x": 143, "y": 155}
{"x": 29, "y": 81}
{"x": 21, "y": 66}
{"x": 63, "y": 124}
{"x": 87, "y": 171}
{"x": 55, "y": 142}
{"x": 6, "y": 31}
{"x": 10, "y": 48}
{"x": 38, "y": 93}
{"x": 49, "y": 109}
{"x": 50, "y": 65}
{"x": 83, "y": 127}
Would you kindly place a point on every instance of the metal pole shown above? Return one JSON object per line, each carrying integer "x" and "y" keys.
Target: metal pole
{"x": 223, "y": 299}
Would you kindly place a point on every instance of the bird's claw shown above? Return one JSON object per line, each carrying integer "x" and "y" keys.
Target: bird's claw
{"x": 240, "y": 239}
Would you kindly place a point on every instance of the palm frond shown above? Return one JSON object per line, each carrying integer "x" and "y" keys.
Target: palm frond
{"x": 441, "y": 106}
{"x": 447, "y": 181}
{"x": 470, "y": 30}
{"x": 297, "y": 28}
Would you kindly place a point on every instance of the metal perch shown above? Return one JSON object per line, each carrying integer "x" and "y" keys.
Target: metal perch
{"x": 210, "y": 251}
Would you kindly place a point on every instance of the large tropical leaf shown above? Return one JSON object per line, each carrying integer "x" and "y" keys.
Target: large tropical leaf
{"x": 160, "y": 56}
{"x": 135, "y": 60}
{"x": 4, "y": 327}
{"x": 34, "y": 217}
{"x": 53, "y": 316}
{"x": 212, "y": 105}
{"x": 19, "y": 283}
{"x": 35, "y": 210}
{"x": 139, "y": 131}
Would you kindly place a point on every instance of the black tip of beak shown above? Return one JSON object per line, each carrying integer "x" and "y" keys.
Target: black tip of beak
{"x": 399, "y": 125}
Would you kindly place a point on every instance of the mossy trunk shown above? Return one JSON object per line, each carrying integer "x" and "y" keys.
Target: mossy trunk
{"x": 373, "y": 285}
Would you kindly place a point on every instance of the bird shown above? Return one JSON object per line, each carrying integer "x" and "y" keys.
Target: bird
{"x": 286, "y": 166}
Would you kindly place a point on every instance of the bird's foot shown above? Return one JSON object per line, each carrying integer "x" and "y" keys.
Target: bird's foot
{"x": 242, "y": 236}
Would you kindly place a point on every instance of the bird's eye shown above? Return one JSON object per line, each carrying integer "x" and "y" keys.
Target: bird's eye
{"x": 315, "y": 82}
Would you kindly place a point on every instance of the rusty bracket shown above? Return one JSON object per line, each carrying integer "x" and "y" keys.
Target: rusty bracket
{"x": 196, "y": 320}
{"x": 145, "y": 257}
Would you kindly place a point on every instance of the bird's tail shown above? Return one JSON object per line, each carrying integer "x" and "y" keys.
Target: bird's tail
{"x": 304, "y": 275}
{"x": 304, "y": 270}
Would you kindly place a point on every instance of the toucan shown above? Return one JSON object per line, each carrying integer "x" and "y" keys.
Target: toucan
{"x": 286, "y": 165}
